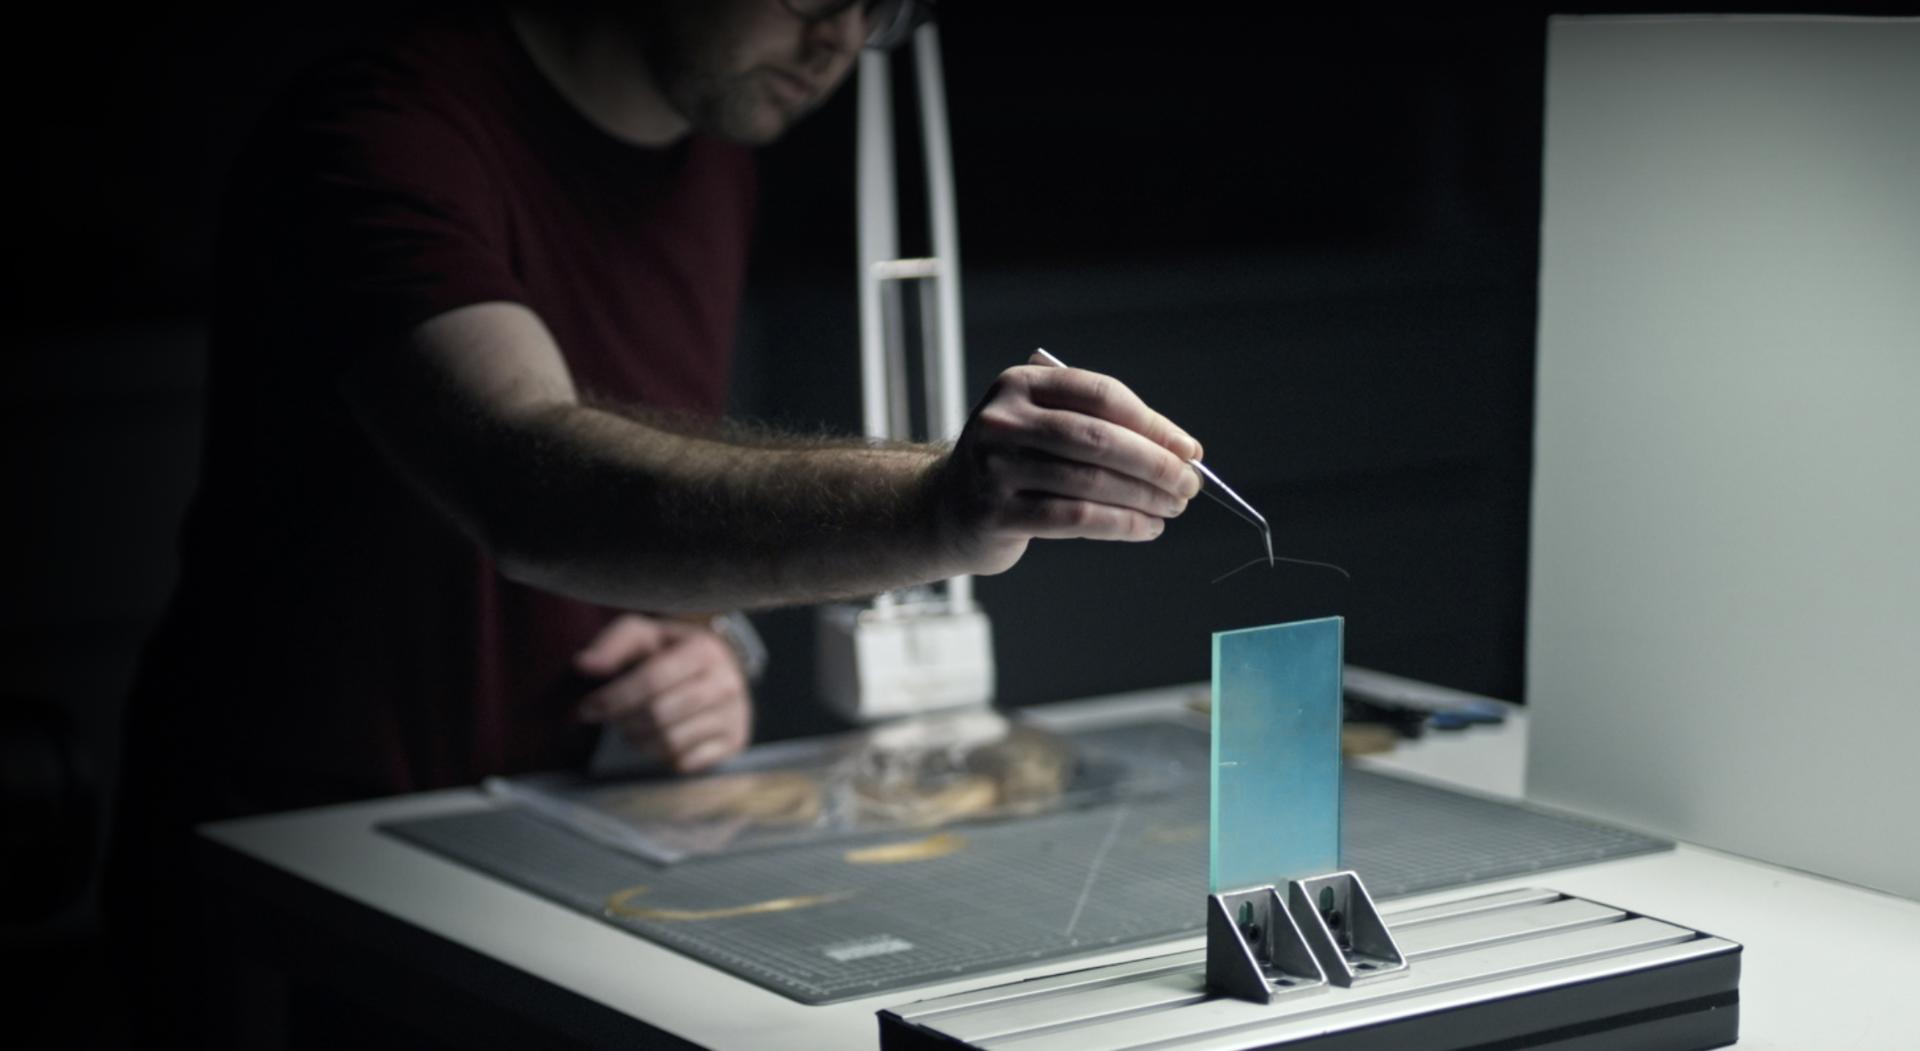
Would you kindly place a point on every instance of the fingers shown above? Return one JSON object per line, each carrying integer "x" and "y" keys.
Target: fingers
{"x": 1055, "y": 452}
{"x": 1083, "y": 417}
{"x": 1055, "y": 518}
{"x": 1092, "y": 394}
{"x": 1041, "y": 474}
{"x": 625, "y": 639}
{"x": 686, "y": 702}
{"x": 711, "y": 733}
{"x": 695, "y": 725}
{"x": 664, "y": 669}
{"x": 1080, "y": 438}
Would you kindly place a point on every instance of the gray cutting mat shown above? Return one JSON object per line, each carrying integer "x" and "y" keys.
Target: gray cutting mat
{"x": 1014, "y": 892}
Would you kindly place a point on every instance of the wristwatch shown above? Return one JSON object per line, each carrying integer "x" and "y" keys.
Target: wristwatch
{"x": 747, "y": 646}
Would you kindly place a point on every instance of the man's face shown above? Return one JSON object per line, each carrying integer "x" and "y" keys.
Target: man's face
{"x": 746, "y": 70}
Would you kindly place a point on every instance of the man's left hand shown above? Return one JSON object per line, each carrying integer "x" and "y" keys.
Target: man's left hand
{"x": 674, "y": 689}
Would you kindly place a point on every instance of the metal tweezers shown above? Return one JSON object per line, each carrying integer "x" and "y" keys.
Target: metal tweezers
{"x": 1210, "y": 482}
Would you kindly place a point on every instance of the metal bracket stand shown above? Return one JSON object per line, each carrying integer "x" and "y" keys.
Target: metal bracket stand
{"x": 1344, "y": 929}
{"x": 1297, "y": 955}
{"x": 1255, "y": 951}
{"x": 1323, "y": 931}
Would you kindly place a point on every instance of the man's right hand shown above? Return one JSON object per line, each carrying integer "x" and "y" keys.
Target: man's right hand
{"x": 1056, "y": 453}
{"x": 480, "y": 410}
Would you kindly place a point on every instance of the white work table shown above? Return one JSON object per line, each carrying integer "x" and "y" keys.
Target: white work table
{"x": 1826, "y": 964}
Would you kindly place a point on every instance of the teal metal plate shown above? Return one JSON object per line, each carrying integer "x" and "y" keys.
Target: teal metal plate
{"x": 1276, "y": 754}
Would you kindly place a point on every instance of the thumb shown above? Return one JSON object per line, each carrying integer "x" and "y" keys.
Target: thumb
{"x": 627, "y": 638}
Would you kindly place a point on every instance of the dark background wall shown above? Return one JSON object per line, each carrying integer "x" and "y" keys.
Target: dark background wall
{"x": 1309, "y": 238}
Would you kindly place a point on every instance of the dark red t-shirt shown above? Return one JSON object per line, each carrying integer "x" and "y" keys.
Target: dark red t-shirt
{"x": 333, "y": 635}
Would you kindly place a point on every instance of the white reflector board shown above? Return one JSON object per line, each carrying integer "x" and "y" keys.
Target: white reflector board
{"x": 1724, "y": 618}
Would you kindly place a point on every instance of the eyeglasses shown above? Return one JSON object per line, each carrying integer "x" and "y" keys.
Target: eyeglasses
{"x": 889, "y": 22}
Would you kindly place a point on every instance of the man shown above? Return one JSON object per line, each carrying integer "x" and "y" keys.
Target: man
{"x": 477, "y": 289}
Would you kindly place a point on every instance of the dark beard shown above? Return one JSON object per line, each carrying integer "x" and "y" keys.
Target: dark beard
{"x": 676, "y": 40}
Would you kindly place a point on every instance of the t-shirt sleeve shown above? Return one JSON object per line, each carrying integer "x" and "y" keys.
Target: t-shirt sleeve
{"x": 373, "y": 210}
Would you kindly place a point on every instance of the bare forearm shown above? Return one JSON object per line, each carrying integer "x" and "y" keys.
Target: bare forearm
{"x": 607, "y": 508}
{"x": 479, "y": 409}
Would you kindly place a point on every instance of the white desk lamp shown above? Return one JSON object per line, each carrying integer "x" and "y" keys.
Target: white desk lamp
{"x": 925, "y": 649}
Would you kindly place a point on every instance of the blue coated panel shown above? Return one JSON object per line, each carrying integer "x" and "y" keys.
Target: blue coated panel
{"x": 1276, "y": 754}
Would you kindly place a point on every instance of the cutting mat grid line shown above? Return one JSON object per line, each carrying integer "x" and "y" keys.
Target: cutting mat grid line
{"x": 1007, "y": 897}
